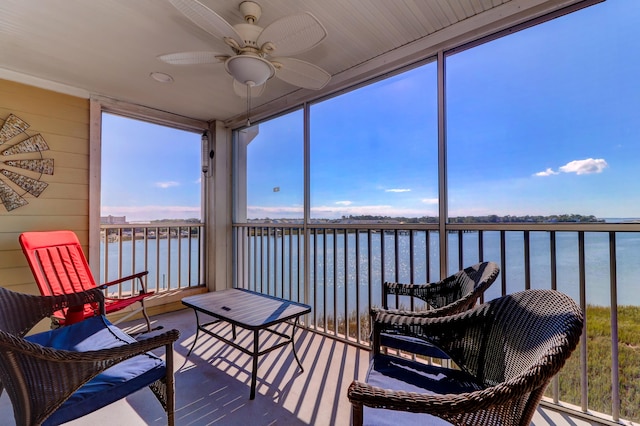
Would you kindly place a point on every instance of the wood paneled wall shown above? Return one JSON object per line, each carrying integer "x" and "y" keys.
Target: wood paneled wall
{"x": 63, "y": 121}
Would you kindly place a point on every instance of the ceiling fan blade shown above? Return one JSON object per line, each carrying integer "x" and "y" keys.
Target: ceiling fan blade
{"x": 241, "y": 89}
{"x": 293, "y": 34}
{"x": 300, "y": 73}
{"x": 207, "y": 19}
{"x": 192, "y": 58}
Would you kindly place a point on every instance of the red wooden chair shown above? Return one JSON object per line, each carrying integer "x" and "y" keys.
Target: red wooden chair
{"x": 59, "y": 266}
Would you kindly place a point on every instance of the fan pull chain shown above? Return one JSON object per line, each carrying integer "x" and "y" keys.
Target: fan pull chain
{"x": 248, "y": 104}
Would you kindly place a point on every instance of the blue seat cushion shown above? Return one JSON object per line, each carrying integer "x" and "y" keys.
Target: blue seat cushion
{"x": 411, "y": 344}
{"x": 112, "y": 384}
{"x": 390, "y": 372}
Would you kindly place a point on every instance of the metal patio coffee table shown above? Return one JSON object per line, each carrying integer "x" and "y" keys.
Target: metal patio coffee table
{"x": 251, "y": 311}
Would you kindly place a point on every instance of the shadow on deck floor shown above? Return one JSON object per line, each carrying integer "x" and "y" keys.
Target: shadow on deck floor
{"x": 212, "y": 384}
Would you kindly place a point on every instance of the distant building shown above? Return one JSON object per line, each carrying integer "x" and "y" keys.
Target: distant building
{"x": 113, "y": 220}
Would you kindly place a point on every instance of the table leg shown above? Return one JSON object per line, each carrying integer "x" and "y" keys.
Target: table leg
{"x": 197, "y": 332}
{"x": 293, "y": 333}
{"x": 254, "y": 373}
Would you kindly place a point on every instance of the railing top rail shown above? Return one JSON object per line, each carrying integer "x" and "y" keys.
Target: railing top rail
{"x": 151, "y": 225}
{"x": 364, "y": 226}
{"x": 561, "y": 227}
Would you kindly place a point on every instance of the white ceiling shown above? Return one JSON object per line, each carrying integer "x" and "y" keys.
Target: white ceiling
{"x": 108, "y": 48}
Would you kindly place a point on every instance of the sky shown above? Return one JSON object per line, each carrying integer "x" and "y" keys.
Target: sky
{"x": 149, "y": 172}
{"x": 544, "y": 121}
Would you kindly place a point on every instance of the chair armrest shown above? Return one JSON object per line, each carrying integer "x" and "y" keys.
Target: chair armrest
{"x": 403, "y": 289}
{"x": 435, "y": 295}
{"x": 129, "y": 350}
{"x": 399, "y": 289}
{"x": 102, "y": 358}
{"x": 397, "y": 319}
{"x": 456, "y": 292}
{"x": 80, "y": 298}
{"x": 448, "y": 406}
{"x": 430, "y": 313}
{"x": 456, "y": 334}
{"x": 137, "y": 276}
{"x": 21, "y": 311}
{"x": 376, "y": 397}
{"x": 442, "y": 297}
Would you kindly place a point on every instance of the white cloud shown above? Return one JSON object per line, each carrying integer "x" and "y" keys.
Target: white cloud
{"x": 397, "y": 190}
{"x": 547, "y": 172}
{"x": 585, "y": 167}
{"x": 579, "y": 167}
{"x": 344, "y": 203}
{"x": 165, "y": 185}
{"x": 430, "y": 200}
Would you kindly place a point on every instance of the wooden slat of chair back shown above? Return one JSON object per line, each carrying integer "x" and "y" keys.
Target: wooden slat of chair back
{"x": 64, "y": 270}
{"x": 60, "y": 267}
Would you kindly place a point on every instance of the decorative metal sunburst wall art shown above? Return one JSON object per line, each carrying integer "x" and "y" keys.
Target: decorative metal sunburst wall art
{"x": 12, "y": 179}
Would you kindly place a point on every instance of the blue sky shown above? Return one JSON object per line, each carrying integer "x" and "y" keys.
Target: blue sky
{"x": 545, "y": 121}
{"x": 149, "y": 171}
{"x": 550, "y": 117}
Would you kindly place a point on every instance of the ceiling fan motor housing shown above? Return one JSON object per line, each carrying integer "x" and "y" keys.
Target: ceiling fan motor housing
{"x": 251, "y": 11}
{"x": 249, "y": 34}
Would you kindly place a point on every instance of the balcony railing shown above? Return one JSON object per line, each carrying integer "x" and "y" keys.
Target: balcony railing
{"x": 339, "y": 269}
{"x": 172, "y": 253}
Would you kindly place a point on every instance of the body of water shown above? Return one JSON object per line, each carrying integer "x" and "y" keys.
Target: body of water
{"x": 171, "y": 262}
{"x": 415, "y": 259}
{"x": 339, "y": 277}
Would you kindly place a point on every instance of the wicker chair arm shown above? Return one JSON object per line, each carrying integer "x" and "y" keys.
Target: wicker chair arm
{"x": 448, "y": 406}
{"x": 398, "y": 319}
{"x": 93, "y": 295}
{"x": 403, "y": 289}
{"x": 132, "y": 349}
{"x": 108, "y": 355}
{"x": 455, "y": 293}
{"x": 430, "y": 313}
{"x": 418, "y": 291}
{"x": 22, "y": 312}
{"x": 456, "y": 335}
{"x": 376, "y": 397}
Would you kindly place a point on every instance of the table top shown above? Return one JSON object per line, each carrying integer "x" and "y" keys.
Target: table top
{"x": 246, "y": 308}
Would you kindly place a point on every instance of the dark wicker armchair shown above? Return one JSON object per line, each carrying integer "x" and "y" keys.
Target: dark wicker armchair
{"x": 452, "y": 295}
{"x": 507, "y": 351}
{"x": 66, "y": 373}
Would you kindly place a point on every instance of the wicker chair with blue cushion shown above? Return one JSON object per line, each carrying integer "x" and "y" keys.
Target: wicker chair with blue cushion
{"x": 454, "y": 294}
{"x": 63, "y": 374}
{"x": 506, "y": 352}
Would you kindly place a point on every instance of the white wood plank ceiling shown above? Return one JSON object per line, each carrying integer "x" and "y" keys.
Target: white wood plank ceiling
{"x": 108, "y": 48}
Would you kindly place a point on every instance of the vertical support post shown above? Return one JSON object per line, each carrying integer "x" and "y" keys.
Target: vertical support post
{"x": 584, "y": 397}
{"x": 442, "y": 170}
{"x": 307, "y": 197}
{"x": 615, "y": 370}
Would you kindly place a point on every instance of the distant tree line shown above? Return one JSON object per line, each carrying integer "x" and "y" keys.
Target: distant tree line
{"x": 191, "y": 220}
{"x": 575, "y": 218}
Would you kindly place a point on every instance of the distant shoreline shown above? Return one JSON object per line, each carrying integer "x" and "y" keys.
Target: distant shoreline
{"x": 564, "y": 218}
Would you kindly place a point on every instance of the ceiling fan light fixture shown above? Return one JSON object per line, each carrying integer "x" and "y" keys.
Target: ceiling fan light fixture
{"x": 249, "y": 70}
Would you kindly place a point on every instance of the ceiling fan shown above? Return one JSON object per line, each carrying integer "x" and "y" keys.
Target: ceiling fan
{"x": 253, "y": 62}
